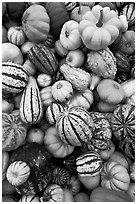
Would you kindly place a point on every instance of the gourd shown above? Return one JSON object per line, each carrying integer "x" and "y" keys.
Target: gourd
{"x": 108, "y": 152}
{"x": 53, "y": 193}
{"x": 16, "y": 35}
{"x": 43, "y": 59}
{"x": 115, "y": 176}
{"x": 102, "y": 63}
{"x": 81, "y": 197}
{"x": 74, "y": 184}
{"x": 54, "y": 144}
{"x": 53, "y": 111}
{"x": 46, "y": 96}
{"x": 31, "y": 109}
{"x": 102, "y": 194}
{"x": 129, "y": 11}
{"x": 13, "y": 131}
{"x": 11, "y": 53}
{"x": 132, "y": 171}
{"x": 7, "y": 188}
{"x": 58, "y": 16}
{"x": 44, "y": 80}
{"x": 39, "y": 163}
{"x": 129, "y": 87}
{"x": 79, "y": 78}
{"x": 123, "y": 63}
{"x": 35, "y": 135}
{"x": 29, "y": 198}
{"x": 70, "y": 5}
{"x": 62, "y": 90}
{"x": 75, "y": 126}
{"x": 14, "y": 77}
{"x": 18, "y": 173}
{"x": 25, "y": 47}
{"x": 123, "y": 128}
{"x": 131, "y": 191}
{"x": 4, "y": 35}
{"x": 78, "y": 12}
{"x": 35, "y": 23}
{"x": 29, "y": 67}
{"x": 7, "y": 107}
{"x": 5, "y": 163}
{"x": 8, "y": 198}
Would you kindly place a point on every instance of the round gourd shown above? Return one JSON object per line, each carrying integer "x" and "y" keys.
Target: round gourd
{"x": 53, "y": 111}
{"x": 35, "y": 135}
{"x": 54, "y": 144}
{"x": 44, "y": 80}
{"x": 58, "y": 16}
{"x": 11, "y": 53}
{"x": 38, "y": 159}
{"x": 106, "y": 153}
{"x": 74, "y": 184}
{"x": 18, "y": 173}
{"x": 7, "y": 107}
{"x": 13, "y": 131}
{"x": 60, "y": 176}
{"x": 53, "y": 193}
{"x": 102, "y": 63}
{"x": 16, "y": 35}
{"x": 29, "y": 198}
{"x": 46, "y": 96}
{"x": 75, "y": 126}
{"x": 89, "y": 164}
{"x": 35, "y": 23}
{"x": 62, "y": 90}
{"x": 123, "y": 128}
{"x": 110, "y": 91}
{"x": 115, "y": 176}
{"x": 105, "y": 107}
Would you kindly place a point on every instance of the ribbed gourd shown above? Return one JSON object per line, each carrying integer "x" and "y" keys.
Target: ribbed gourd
{"x": 31, "y": 109}
{"x": 43, "y": 58}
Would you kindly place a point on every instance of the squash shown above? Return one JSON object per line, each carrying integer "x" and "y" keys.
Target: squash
{"x": 132, "y": 171}
{"x": 79, "y": 78}
{"x": 100, "y": 27}
{"x": 102, "y": 194}
{"x": 9, "y": 198}
{"x": 54, "y": 144}
{"x": 36, "y": 23}
{"x": 70, "y": 36}
{"x": 75, "y": 126}
{"x": 108, "y": 152}
{"x": 46, "y": 96}
{"x": 75, "y": 58}
{"x": 78, "y": 12}
{"x": 15, "y": 10}
{"x": 31, "y": 109}
{"x": 5, "y": 163}
{"x": 123, "y": 128}
{"x": 81, "y": 197}
{"x": 17, "y": 173}
{"x": 95, "y": 79}
{"x": 53, "y": 193}
{"x": 67, "y": 196}
{"x": 14, "y": 77}
{"x": 43, "y": 59}
{"x": 29, "y": 67}
{"x": 110, "y": 91}
{"x": 60, "y": 176}
{"x": 44, "y": 80}
{"x": 7, "y": 188}
{"x": 13, "y": 131}
{"x": 53, "y": 111}
{"x": 129, "y": 87}
{"x": 131, "y": 191}
{"x": 25, "y": 47}
{"x": 11, "y": 53}
{"x": 115, "y": 176}
{"x": 108, "y": 4}
{"x": 17, "y": 100}
{"x": 35, "y": 135}
{"x": 16, "y": 35}
{"x": 58, "y": 16}
{"x": 127, "y": 43}
{"x": 62, "y": 90}
{"x": 90, "y": 4}
{"x": 90, "y": 182}
{"x": 4, "y": 35}
{"x": 82, "y": 98}
{"x": 105, "y": 107}
{"x": 70, "y": 6}
{"x": 29, "y": 198}
{"x": 61, "y": 51}
{"x": 123, "y": 63}
{"x": 74, "y": 184}
{"x": 102, "y": 63}
{"x": 39, "y": 163}
{"x": 7, "y": 107}
{"x": 129, "y": 11}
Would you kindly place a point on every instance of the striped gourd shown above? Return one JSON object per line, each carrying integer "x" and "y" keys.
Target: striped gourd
{"x": 14, "y": 77}
{"x": 53, "y": 111}
{"x": 70, "y": 5}
{"x": 18, "y": 172}
{"x": 43, "y": 58}
{"x": 123, "y": 128}
{"x": 75, "y": 126}
{"x": 31, "y": 110}
{"x": 89, "y": 164}
{"x": 129, "y": 12}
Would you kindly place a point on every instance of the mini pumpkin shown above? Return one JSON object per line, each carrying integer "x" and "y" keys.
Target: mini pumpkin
{"x": 62, "y": 90}
{"x": 46, "y": 96}
{"x": 44, "y": 80}
{"x": 115, "y": 176}
{"x": 35, "y": 23}
{"x": 16, "y": 35}
{"x": 18, "y": 172}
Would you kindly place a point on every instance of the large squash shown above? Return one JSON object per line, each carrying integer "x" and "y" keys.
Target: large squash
{"x": 35, "y": 23}
{"x": 123, "y": 128}
{"x": 58, "y": 16}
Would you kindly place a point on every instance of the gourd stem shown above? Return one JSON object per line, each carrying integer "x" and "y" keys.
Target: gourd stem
{"x": 99, "y": 23}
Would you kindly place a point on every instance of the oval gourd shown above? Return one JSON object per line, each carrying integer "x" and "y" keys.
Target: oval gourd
{"x": 14, "y": 77}
{"x": 35, "y": 23}
{"x": 75, "y": 126}
{"x": 16, "y": 35}
{"x": 31, "y": 109}
{"x": 13, "y": 131}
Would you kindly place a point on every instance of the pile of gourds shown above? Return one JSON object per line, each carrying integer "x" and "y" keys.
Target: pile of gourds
{"x": 68, "y": 102}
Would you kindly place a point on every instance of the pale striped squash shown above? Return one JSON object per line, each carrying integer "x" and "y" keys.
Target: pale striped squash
{"x": 75, "y": 126}
{"x": 14, "y": 77}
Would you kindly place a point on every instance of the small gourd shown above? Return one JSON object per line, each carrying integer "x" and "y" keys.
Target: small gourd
{"x": 16, "y": 35}
{"x": 46, "y": 96}
{"x": 44, "y": 80}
